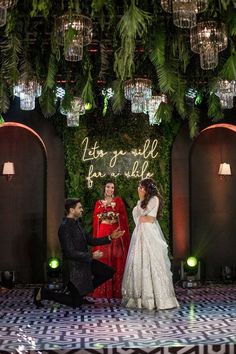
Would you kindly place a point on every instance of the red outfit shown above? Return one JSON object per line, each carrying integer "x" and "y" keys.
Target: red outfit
{"x": 115, "y": 253}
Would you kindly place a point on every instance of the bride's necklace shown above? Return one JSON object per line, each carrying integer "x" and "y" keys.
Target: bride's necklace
{"x": 107, "y": 201}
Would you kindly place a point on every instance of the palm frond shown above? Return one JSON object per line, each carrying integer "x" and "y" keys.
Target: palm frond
{"x": 87, "y": 93}
{"x": 55, "y": 45}
{"x": 214, "y": 108}
{"x": 118, "y": 100}
{"x": 133, "y": 24}
{"x": 51, "y": 74}
{"x": 124, "y": 60}
{"x": 26, "y": 70}
{"x": 227, "y": 3}
{"x": 231, "y": 21}
{"x": 166, "y": 77}
{"x": 67, "y": 100}
{"x": 11, "y": 49}
{"x": 47, "y": 102}
{"x": 104, "y": 61}
{"x": 180, "y": 49}
{"x": 193, "y": 122}
{"x": 228, "y": 71}
{"x": 4, "y": 96}
{"x": 164, "y": 113}
{"x": 97, "y": 10}
{"x": 157, "y": 50}
{"x": 41, "y": 7}
{"x": 178, "y": 96}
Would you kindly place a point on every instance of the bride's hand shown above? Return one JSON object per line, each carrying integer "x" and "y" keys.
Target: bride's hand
{"x": 146, "y": 218}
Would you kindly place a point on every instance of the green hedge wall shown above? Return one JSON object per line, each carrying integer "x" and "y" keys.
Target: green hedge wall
{"x": 113, "y": 132}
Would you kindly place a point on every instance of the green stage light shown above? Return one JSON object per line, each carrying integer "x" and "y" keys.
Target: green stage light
{"x": 191, "y": 272}
{"x": 191, "y": 261}
{"x": 54, "y": 263}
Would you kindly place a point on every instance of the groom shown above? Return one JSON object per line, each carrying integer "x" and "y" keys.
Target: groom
{"x": 83, "y": 271}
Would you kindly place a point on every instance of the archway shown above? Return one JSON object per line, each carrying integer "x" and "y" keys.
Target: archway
{"x": 213, "y": 207}
{"x": 203, "y": 205}
{"x": 23, "y": 239}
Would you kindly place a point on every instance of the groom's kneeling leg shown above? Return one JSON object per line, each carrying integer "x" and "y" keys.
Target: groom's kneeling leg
{"x": 101, "y": 273}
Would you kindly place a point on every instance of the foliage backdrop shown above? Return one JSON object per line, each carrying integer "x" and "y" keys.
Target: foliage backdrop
{"x": 113, "y": 132}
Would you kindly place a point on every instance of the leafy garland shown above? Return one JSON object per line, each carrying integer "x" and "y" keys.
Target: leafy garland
{"x": 140, "y": 33}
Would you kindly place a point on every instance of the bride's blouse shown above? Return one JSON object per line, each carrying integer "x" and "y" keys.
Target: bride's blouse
{"x": 150, "y": 210}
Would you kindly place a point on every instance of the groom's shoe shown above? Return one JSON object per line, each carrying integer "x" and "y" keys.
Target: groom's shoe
{"x": 37, "y": 297}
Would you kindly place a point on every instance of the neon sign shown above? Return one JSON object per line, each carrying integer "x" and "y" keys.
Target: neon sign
{"x": 131, "y": 164}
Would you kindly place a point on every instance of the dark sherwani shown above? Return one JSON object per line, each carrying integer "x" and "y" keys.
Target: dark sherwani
{"x": 77, "y": 259}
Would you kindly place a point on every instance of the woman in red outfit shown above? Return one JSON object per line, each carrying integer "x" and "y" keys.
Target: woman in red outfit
{"x": 110, "y": 213}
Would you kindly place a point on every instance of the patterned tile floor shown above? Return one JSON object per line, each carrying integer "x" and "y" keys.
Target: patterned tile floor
{"x": 207, "y": 316}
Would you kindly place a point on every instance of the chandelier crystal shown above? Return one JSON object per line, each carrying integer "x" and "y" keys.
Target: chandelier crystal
{"x": 4, "y": 5}
{"x": 184, "y": 11}
{"x": 75, "y": 50}
{"x": 137, "y": 103}
{"x": 72, "y": 119}
{"x": 226, "y": 90}
{"x": 138, "y": 91}
{"x": 27, "y": 102}
{"x": 208, "y": 39}
{"x": 152, "y": 107}
{"x": 83, "y": 31}
{"x": 27, "y": 91}
{"x": 77, "y": 110}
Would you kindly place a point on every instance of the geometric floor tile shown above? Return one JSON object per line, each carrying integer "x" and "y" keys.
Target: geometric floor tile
{"x": 205, "y": 323}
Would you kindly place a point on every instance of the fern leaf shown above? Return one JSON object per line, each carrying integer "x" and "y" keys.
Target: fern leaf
{"x": 157, "y": 52}
{"x": 118, "y": 100}
{"x": 47, "y": 102}
{"x": 87, "y": 93}
{"x": 104, "y": 61}
{"x": 10, "y": 49}
{"x": 193, "y": 122}
{"x": 214, "y": 108}
{"x": 51, "y": 74}
{"x": 228, "y": 71}
{"x": 4, "y": 96}
{"x": 133, "y": 24}
{"x": 164, "y": 113}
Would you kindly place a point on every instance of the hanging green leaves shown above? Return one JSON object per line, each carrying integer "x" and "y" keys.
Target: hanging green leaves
{"x": 132, "y": 26}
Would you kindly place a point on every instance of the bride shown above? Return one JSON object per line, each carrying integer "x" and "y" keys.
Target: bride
{"x": 147, "y": 281}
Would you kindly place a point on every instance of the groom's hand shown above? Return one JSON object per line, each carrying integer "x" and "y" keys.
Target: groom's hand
{"x": 97, "y": 254}
{"x": 117, "y": 234}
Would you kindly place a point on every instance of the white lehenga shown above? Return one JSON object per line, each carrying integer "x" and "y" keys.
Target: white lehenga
{"x": 147, "y": 281}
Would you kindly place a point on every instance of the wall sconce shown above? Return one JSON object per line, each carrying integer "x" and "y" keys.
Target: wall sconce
{"x": 8, "y": 170}
{"x": 224, "y": 170}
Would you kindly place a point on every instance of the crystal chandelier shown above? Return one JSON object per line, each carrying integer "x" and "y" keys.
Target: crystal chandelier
{"x": 82, "y": 27}
{"x": 184, "y": 11}
{"x": 152, "y": 107}
{"x": 208, "y": 39}
{"x": 73, "y": 115}
{"x": 27, "y": 91}
{"x": 138, "y": 91}
{"x": 72, "y": 119}
{"x": 75, "y": 50}
{"x": 4, "y": 5}
{"x": 226, "y": 90}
